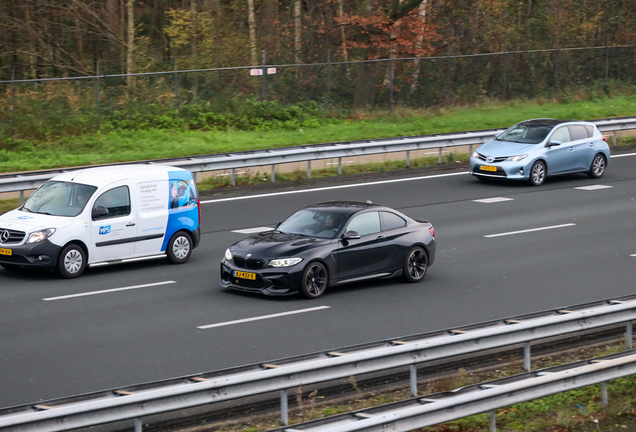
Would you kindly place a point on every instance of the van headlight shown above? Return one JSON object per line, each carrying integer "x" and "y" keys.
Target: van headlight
{"x": 38, "y": 236}
{"x": 284, "y": 262}
{"x": 516, "y": 158}
{"x": 228, "y": 254}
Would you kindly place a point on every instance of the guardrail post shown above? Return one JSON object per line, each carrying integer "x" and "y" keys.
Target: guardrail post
{"x": 493, "y": 421}
{"x": 413, "y": 380}
{"x": 408, "y": 158}
{"x": 339, "y": 166}
{"x": 273, "y": 173}
{"x": 233, "y": 176}
{"x": 526, "y": 356}
{"x": 283, "y": 407}
{"x": 628, "y": 336}
{"x": 138, "y": 425}
{"x": 614, "y": 134}
{"x": 604, "y": 393}
{"x": 309, "y": 169}
{"x": 439, "y": 157}
{"x": 21, "y": 197}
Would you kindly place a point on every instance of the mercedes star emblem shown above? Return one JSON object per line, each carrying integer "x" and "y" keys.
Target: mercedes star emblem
{"x": 4, "y": 236}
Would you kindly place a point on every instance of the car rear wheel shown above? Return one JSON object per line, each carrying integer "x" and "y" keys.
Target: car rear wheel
{"x": 179, "y": 247}
{"x": 415, "y": 265}
{"x": 537, "y": 173}
{"x": 71, "y": 262}
{"x": 598, "y": 166}
{"x": 314, "y": 281}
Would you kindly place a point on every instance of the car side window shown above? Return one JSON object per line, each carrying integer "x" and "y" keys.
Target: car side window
{"x": 116, "y": 201}
{"x": 578, "y": 132}
{"x": 391, "y": 221}
{"x": 366, "y": 223}
{"x": 561, "y": 134}
{"x": 590, "y": 131}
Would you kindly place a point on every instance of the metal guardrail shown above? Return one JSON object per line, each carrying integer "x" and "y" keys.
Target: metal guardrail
{"x": 443, "y": 407}
{"x": 307, "y": 153}
{"x": 139, "y": 401}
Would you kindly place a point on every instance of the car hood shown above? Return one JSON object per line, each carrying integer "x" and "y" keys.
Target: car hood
{"x": 505, "y": 148}
{"x": 29, "y": 222}
{"x": 274, "y": 244}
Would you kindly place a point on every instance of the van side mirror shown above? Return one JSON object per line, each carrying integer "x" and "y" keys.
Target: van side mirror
{"x": 351, "y": 235}
{"x": 99, "y": 212}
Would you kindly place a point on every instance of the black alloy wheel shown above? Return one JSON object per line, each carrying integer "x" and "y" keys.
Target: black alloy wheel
{"x": 71, "y": 262}
{"x": 415, "y": 265}
{"x": 598, "y": 166}
{"x": 314, "y": 281}
{"x": 537, "y": 173}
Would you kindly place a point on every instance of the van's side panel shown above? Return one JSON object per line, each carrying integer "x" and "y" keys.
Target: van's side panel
{"x": 151, "y": 196}
{"x": 183, "y": 212}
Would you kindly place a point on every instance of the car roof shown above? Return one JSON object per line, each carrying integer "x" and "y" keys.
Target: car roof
{"x": 549, "y": 122}
{"x": 101, "y": 176}
{"x": 344, "y": 207}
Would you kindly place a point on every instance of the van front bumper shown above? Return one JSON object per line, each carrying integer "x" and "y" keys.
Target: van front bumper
{"x": 41, "y": 254}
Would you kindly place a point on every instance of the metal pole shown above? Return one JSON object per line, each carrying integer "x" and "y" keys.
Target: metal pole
{"x": 21, "y": 197}
{"x": 493, "y": 421}
{"x": 138, "y": 425}
{"x": 264, "y": 73}
{"x": 439, "y": 157}
{"x": 329, "y": 73}
{"x": 308, "y": 169}
{"x": 283, "y": 407}
{"x": 339, "y": 166}
{"x": 607, "y": 64}
{"x": 391, "y": 72}
{"x": 628, "y": 337}
{"x": 273, "y": 173}
{"x": 97, "y": 89}
{"x": 505, "y": 73}
{"x": 604, "y": 393}
{"x": 176, "y": 85}
{"x": 526, "y": 356}
{"x": 233, "y": 176}
{"x": 614, "y": 134}
{"x": 413, "y": 380}
{"x": 13, "y": 100}
{"x": 408, "y": 158}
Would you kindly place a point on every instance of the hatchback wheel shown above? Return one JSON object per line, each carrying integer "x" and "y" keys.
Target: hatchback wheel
{"x": 537, "y": 173}
{"x": 179, "y": 248}
{"x": 71, "y": 262}
{"x": 598, "y": 166}
{"x": 314, "y": 281}
{"x": 415, "y": 264}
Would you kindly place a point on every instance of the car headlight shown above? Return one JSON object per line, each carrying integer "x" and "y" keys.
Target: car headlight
{"x": 38, "y": 236}
{"x": 228, "y": 254}
{"x": 516, "y": 158}
{"x": 284, "y": 262}
{"x": 475, "y": 154}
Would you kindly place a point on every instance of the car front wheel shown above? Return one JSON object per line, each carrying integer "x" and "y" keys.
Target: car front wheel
{"x": 179, "y": 248}
{"x": 314, "y": 281}
{"x": 537, "y": 173}
{"x": 415, "y": 265}
{"x": 72, "y": 262}
{"x": 598, "y": 166}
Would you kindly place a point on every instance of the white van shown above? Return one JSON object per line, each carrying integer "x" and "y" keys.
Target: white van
{"x": 103, "y": 215}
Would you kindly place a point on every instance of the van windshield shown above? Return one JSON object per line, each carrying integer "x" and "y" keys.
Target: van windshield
{"x": 58, "y": 198}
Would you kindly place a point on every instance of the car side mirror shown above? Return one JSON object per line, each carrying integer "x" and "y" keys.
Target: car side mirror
{"x": 351, "y": 235}
{"x": 553, "y": 143}
{"x": 99, "y": 212}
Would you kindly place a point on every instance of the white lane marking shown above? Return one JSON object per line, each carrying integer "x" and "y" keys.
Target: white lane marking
{"x": 332, "y": 188}
{"x": 622, "y": 155}
{"x": 253, "y": 230}
{"x": 493, "y": 200}
{"x": 109, "y": 290}
{"x": 634, "y": 255}
{"x": 530, "y": 230}
{"x": 227, "y": 323}
{"x": 593, "y": 187}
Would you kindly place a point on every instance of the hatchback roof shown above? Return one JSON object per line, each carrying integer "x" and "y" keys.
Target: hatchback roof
{"x": 545, "y": 122}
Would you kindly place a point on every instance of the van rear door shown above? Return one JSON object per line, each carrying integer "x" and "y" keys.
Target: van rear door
{"x": 152, "y": 198}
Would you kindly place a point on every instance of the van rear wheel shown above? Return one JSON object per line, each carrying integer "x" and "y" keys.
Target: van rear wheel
{"x": 71, "y": 262}
{"x": 179, "y": 247}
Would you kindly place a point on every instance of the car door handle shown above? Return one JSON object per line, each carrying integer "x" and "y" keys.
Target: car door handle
{"x": 129, "y": 224}
{"x": 380, "y": 237}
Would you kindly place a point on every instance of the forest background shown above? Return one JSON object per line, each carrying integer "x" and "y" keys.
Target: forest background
{"x": 75, "y": 72}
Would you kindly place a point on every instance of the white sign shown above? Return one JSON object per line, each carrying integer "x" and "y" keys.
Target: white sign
{"x": 256, "y": 71}
{"x": 271, "y": 70}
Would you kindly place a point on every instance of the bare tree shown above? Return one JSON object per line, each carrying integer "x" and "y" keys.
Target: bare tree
{"x": 131, "y": 40}
{"x": 252, "y": 25}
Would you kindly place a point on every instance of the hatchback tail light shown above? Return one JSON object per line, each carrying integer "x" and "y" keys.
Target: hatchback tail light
{"x": 604, "y": 138}
{"x": 432, "y": 230}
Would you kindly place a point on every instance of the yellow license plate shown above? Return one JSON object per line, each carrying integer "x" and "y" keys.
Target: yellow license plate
{"x": 6, "y": 252}
{"x": 488, "y": 168}
{"x": 244, "y": 275}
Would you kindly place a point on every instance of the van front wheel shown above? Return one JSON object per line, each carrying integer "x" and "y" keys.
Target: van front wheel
{"x": 71, "y": 262}
{"x": 179, "y": 248}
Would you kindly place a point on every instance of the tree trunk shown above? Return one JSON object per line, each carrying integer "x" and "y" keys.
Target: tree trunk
{"x": 252, "y": 25}
{"x": 30, "y": 31}
{"x": 131, "y": 37}
{"x": 297, "y": 32}
{"x": 418, "y": 45}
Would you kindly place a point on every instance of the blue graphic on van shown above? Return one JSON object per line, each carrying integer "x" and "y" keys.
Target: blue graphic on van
{"x": 184, "y": 212}
{"x": 104, "y": 230}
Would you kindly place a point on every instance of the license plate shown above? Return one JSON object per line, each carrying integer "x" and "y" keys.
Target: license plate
{"x": 6, "y": 252}
{"x": 244, "y": 275}
{"x": 488, "y": 168}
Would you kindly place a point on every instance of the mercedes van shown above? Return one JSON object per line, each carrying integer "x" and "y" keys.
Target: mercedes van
{"x": 103, "y": 215}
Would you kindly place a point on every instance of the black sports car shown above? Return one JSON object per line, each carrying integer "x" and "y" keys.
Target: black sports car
{"x": 330, "y": 244}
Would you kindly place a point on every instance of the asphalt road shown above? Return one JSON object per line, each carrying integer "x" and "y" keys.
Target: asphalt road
{"x": 536, "y": 249}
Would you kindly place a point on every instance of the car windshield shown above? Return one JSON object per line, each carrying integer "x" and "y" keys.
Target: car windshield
{"x": 525, "y": 133}
{"x": 313, "y": 223}
{"x": 59, "y": 199}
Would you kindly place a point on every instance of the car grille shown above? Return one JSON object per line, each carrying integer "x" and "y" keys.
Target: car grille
{"x": 14, "y": 259}
{"x": 253, "y": 264}
{"x": 495, "y": 160}
{"x": 15, "y": 237}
